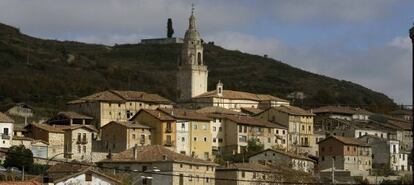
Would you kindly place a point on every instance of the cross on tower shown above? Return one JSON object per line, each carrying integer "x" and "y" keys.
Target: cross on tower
{"x": 192, "y": 9}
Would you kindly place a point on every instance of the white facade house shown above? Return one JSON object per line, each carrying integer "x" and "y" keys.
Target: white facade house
{"x": 217, "y": 134}
{"x": 377, "y": 133}
{"x": 89, "y": 177}
{"x": 183, "y": 137}
{"x": 6, "y": 130}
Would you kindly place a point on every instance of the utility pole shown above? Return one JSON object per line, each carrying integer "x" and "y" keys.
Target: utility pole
{"x": 23, "y": 173}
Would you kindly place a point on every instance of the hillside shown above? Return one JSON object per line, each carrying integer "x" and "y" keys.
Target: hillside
{"x": 48, "y": 73}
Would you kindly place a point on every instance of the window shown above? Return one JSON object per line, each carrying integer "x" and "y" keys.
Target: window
{"x": 214, "y": 140}
{"x": 79, "y": 148}
{"x": 220, "y": 140}
{"x": 168, "y": 142}
{"x": 277, "y": 131}
{"x": 182, "y": 139}
{"x": 303, "y": 127}
{"x": 245, "y": 129}
{"x": 310, "y": 128}
{"x": 6, "y": 131}
{"x": 191, "y": 178}
{"x": 182, "y": 126}
{"x": 220, "y": 129}
{"x": 347, "y": 148}
{"x": 243, "y": 174}
{"x": 144, "y": 168}
{"x": 142, "y": 138}
{"x": 205, "y": 139}
{"x": 268, "y": 140}
{"x": 88, "y": 176}
{"x": 240, "y": 128}
{"x": 214, "y": 129}
{"x": 79, "y": 137}
{"x": 169, "y": 129}
{"x": 283, "y": 132}
{"x": 195, "y": 138}
{"x": 195, "y": 126}
{"x": 84, "y": 137}
{"x": 84, "y": 149}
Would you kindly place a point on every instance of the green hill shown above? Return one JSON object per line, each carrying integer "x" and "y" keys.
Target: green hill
{"x": 48, "y": 73}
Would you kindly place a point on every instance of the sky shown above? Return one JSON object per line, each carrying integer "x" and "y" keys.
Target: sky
{"x": 363, "y": 41}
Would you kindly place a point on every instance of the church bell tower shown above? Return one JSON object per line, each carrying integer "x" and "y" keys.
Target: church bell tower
{"x": 192, "y": 73}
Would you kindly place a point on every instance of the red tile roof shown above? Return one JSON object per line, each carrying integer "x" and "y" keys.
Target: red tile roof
{"x": 122, "y": 96}
{"x": 185, "y": 114}
{"x": 5, "y": 119}
{"x": 239, "y": 95}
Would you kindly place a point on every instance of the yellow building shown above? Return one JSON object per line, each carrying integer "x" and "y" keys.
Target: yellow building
{"x": 119, "y": 136}
{"x": 163, "y": 126}
{"x": 112, "y": 105}
{"x": 193, "y": 133}
{"x": 300, "y": 126}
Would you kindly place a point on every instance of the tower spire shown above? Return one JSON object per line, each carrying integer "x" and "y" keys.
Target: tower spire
{"x": 191, "y": 25}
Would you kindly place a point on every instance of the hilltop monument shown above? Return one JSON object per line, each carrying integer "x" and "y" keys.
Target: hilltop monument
{"x": 192, "y": 73}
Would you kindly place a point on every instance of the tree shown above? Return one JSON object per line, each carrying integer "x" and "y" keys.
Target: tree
{"x": 254, "y": 146}
{"x": 19, "y": 156}
{"x": 170, "y": 30}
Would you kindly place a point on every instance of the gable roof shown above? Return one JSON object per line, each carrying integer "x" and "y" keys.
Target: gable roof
{"x": 252, "y": 121}
{"x": 30, "y": 182}
{"x": 153, "y": 153}
{"x": 63, "y": 171}
{"x": 217, "y": 110}
{"x": 122, "y": 96}
{"x": 292, "y": 110}
{"x": 185, "y": 114}
{"x": 255, "y": 167}
{"x": 128, "y": 124}
{"x": 346, "y": 140}
{"x": 46, "y": 127}
{"x": 5, "y": 119}
{"x": 74, "y": 127}
{"x": 154, "y": 113}
{"x": 239, "y": 95}
{"x": 340, "y": 110}
{"x": 74, "y": 115}
{"x": 285, "y": 153}
{"x": 251, "y": 110}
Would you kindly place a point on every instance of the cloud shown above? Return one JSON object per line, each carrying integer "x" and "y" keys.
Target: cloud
{"x": 386, "y": 68}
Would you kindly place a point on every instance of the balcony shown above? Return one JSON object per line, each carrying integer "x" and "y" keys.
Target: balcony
{"x": 81, "y": 142}
{"x": 5, "y": 136}
{"x": 168, "y": 130}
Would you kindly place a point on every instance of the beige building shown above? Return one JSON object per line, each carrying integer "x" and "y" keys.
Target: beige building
{"x": 163, "y": 166}
{"x": 112, "y": 105}
{"x": 235, "y": 100}
{"x": 193, "y": 133}
{"x": 243, "y": 174}
{"x": 278, "y": 157}
{"x": 345, "y": 153}
{"x": 119, "y": 136}
{"x": 192, "y": 72}
{"x": 6, "y": 130}
{"x": 300, "y": 127}
{"x": 163, "y": 126}
{"x": 54, "y": 137}
{"x": 240, "y": 129}
{"x": 78, "y": 141}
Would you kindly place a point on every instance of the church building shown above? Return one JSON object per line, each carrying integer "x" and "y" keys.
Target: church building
{"x": 192, "y": 77}
{"x": 192, "y": 73}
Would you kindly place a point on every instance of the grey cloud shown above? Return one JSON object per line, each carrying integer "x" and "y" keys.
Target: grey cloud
{"x": 386, "y": 68}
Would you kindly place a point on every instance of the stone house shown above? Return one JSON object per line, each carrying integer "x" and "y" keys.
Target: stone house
{"x": 121, "y": 135}
{"x": 278, "y": 157}
{"x": 386, "y": 152}
{"x": 163, "y": 126}
{"x": 54, "y": 137}
{"x": 172, "y": 168}
{"x": 345, "y": 153}
{"x": 300, "y": 127}
{"x": 6, "y": 130}
{"x": 78, "y": 141}
{"x": 113, "y": 105}
{"x": 193, "y": 132}
{"x": 404, "y": 114}
{"x": 243, "y": 174}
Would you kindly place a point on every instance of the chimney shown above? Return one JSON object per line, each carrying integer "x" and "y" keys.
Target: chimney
{"x": 135, "y": 151}
{"x": 227, "y": 164}
{"x": 109, "y": 156}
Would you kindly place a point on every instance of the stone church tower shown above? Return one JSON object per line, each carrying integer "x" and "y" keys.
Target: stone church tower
{"x": 192, "y": 73}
